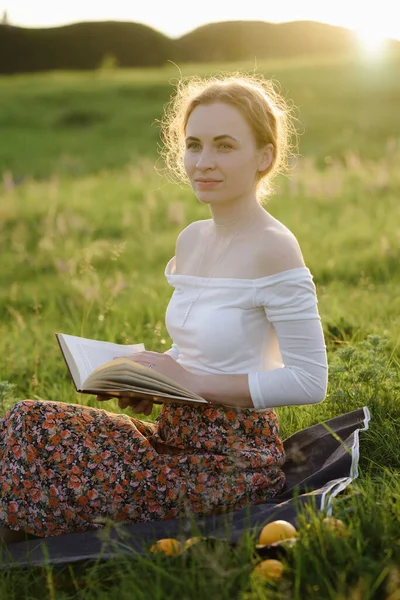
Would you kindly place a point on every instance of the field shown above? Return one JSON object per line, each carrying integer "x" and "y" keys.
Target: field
{"x": 87, "y": 226}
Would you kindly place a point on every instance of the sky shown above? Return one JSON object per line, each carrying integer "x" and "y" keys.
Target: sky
{"x": 372, "y": 20}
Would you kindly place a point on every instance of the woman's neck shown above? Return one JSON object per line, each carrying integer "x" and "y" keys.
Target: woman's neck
{"x": 227, "y": 221}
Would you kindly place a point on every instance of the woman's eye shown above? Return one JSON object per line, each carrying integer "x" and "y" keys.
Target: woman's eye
{"x": 226, "y": 146}
{"x": 193, "y": 146}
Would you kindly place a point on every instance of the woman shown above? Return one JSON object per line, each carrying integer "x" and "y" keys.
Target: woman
{"x": 247, "y": 337}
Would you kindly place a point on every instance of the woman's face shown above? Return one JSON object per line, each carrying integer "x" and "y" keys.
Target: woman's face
{"x": 221, "y": 158}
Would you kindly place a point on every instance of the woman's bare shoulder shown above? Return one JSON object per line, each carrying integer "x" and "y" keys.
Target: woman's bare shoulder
{"x": 278, "y": 249}
{"x": 192, "y": 232}
{"x": 188, "y": 243}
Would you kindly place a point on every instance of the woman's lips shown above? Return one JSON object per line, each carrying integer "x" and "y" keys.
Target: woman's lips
{"x": 207, "y": 185}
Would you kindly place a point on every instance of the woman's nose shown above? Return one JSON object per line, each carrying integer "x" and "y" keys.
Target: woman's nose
{"x": 205, "y": 161}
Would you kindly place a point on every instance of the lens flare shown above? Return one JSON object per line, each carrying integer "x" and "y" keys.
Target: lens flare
{"x": 372, "y": 41}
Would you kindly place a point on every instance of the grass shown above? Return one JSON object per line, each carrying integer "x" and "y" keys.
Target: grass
{"x": 87, "y": 227}
{"x": 347, "y": 104}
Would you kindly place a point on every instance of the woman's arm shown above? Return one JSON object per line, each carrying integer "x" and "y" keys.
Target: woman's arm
{"x": 173, "y": 351}
{"x": 231, "y": 390}
{"x": 302, "y": 380}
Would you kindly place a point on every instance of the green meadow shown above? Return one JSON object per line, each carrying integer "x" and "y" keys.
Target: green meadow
{"x": 88, "y": 222}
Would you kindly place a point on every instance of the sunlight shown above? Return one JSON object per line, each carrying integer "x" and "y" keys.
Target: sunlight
{"x": 372, "y": 41}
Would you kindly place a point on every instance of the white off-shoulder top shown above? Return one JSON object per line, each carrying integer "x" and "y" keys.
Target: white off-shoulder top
{"x": 268, "y": 328}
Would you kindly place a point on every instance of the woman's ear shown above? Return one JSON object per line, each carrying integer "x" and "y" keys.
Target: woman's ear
{"x": 266, "y": 157}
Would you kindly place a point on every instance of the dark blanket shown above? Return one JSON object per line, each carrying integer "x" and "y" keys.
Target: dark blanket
{"x": 321, "y": 461}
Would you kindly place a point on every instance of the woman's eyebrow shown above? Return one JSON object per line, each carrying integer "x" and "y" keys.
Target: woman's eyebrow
{"x": 218, "y": 137}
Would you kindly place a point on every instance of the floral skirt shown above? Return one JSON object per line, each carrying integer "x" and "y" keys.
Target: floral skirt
{"x": 62, "y": 466}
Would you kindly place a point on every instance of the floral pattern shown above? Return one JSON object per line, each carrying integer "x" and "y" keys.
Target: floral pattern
{"x": 63, "y": 465}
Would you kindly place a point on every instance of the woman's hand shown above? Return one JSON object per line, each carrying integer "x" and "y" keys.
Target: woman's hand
{"x": 166, "y": 365}
{"x": 161, "y": 363}
{"x": 138, "y": 405}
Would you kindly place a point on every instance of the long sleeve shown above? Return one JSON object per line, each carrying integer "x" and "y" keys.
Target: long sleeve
{"x": 173, "y": 351}
{"x": 291, "y": 306}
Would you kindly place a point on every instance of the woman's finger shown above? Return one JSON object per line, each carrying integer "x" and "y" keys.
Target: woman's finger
{"x": 102, "y": 397}
{"x": 124, "y": 401}
{"x": 141, "y": 406}
{"x": 149, "y": 408}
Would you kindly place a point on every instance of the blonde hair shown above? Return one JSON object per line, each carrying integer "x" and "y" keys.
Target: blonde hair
{"x": 266, "y": 111}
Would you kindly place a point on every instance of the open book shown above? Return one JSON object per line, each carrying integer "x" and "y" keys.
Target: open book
{"x": 94, "y": 370}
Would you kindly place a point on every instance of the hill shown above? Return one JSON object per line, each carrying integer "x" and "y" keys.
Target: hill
{"x": 243, "y": 40}
{"x": 81, "y": 46}
{"x": 85, "y": 45}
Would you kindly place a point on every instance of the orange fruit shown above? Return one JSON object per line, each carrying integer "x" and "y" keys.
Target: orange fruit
{"x": 276, "y": 531}
{"x": 335, "y": 525}
{"x": 191, "y": 541}
{"x": 269, "y": 569}
{"x": 169, "y": 546}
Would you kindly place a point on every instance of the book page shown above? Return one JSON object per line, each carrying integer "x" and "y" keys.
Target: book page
{"x": 84, "y": 356}
{"x": 126, "y": 382}
{"x": 136, "y": 374}
{"x": 139, "y": 393}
